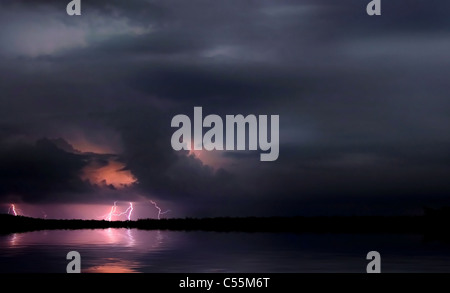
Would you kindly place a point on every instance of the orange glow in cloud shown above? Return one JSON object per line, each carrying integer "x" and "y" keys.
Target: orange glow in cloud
{"x": 111, "y": 174}
{"x": 212, "y": 158}
{"x": 85, "y": 146}
{"x": 100, "y": 142}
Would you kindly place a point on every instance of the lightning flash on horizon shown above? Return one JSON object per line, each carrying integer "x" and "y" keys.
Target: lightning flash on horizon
{"x": 159, "y": 210}
{"x": 109, "y": 216}
{"x": 12, "y": 209}
{"x": 129, "y": 211}
{"x": 113, "y": 210}
{"x": 130, "y": 208}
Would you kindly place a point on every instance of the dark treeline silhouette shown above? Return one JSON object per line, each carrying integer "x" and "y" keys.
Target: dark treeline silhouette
{"x": 433, "y": 224}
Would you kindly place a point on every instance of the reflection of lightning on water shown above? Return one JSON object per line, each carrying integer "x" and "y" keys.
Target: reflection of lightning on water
{"x": 159, "y": 209}
{"x": 12, "y": 209}
{"x": 15, "y": 239}
{"x": 130, "y": 237}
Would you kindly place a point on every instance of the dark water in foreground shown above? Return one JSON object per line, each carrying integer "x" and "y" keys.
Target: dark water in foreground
{"x": 125, "y": 250}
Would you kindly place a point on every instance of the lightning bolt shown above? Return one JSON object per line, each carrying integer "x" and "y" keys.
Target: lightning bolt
{"x": 131, "y": 210}
{"x": 128, "y": 211}
{"x": 111, "y": 213}
{"x": 12, "y": 209}
{"x": 159, "y": 209}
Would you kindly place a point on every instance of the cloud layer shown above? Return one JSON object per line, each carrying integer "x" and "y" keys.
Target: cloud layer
{"x": 363, "y": 102}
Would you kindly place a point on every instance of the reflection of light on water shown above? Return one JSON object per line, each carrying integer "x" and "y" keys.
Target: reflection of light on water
{"x": 114, "y": 265}
{"x": 14, "y": 240}
{"x": 130, "y": 238}
{"x": 159, "y": 237}
{"x": 112, "y": 250}
{"x": 116, "y": 236}
{"x": 142, "y": 243}
{"x": 111, "y": 236}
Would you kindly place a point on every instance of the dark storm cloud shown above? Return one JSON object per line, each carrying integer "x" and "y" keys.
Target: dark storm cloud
{"x": 362, "y": 100}
{"x": 35, "y": 172}
{"x": 51, "y": 171}
{"x": 161, "y": 171}
{"x": 218, "y": 85}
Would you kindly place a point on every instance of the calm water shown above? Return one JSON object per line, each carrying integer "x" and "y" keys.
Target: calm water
{"x": 124, "y": 250}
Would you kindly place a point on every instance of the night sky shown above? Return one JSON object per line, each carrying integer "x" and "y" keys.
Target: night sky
{"x": 86, "y": 104}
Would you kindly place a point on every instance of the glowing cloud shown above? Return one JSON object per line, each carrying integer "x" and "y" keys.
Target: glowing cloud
{"x": 214, "y": 159}
{"x": 113, "y": 174}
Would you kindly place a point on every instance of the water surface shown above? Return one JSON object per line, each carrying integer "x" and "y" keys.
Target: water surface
{"x": 132, "y": 250}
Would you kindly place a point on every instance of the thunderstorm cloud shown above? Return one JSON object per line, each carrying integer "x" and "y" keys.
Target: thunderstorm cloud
{"x": 86, "y": 104}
